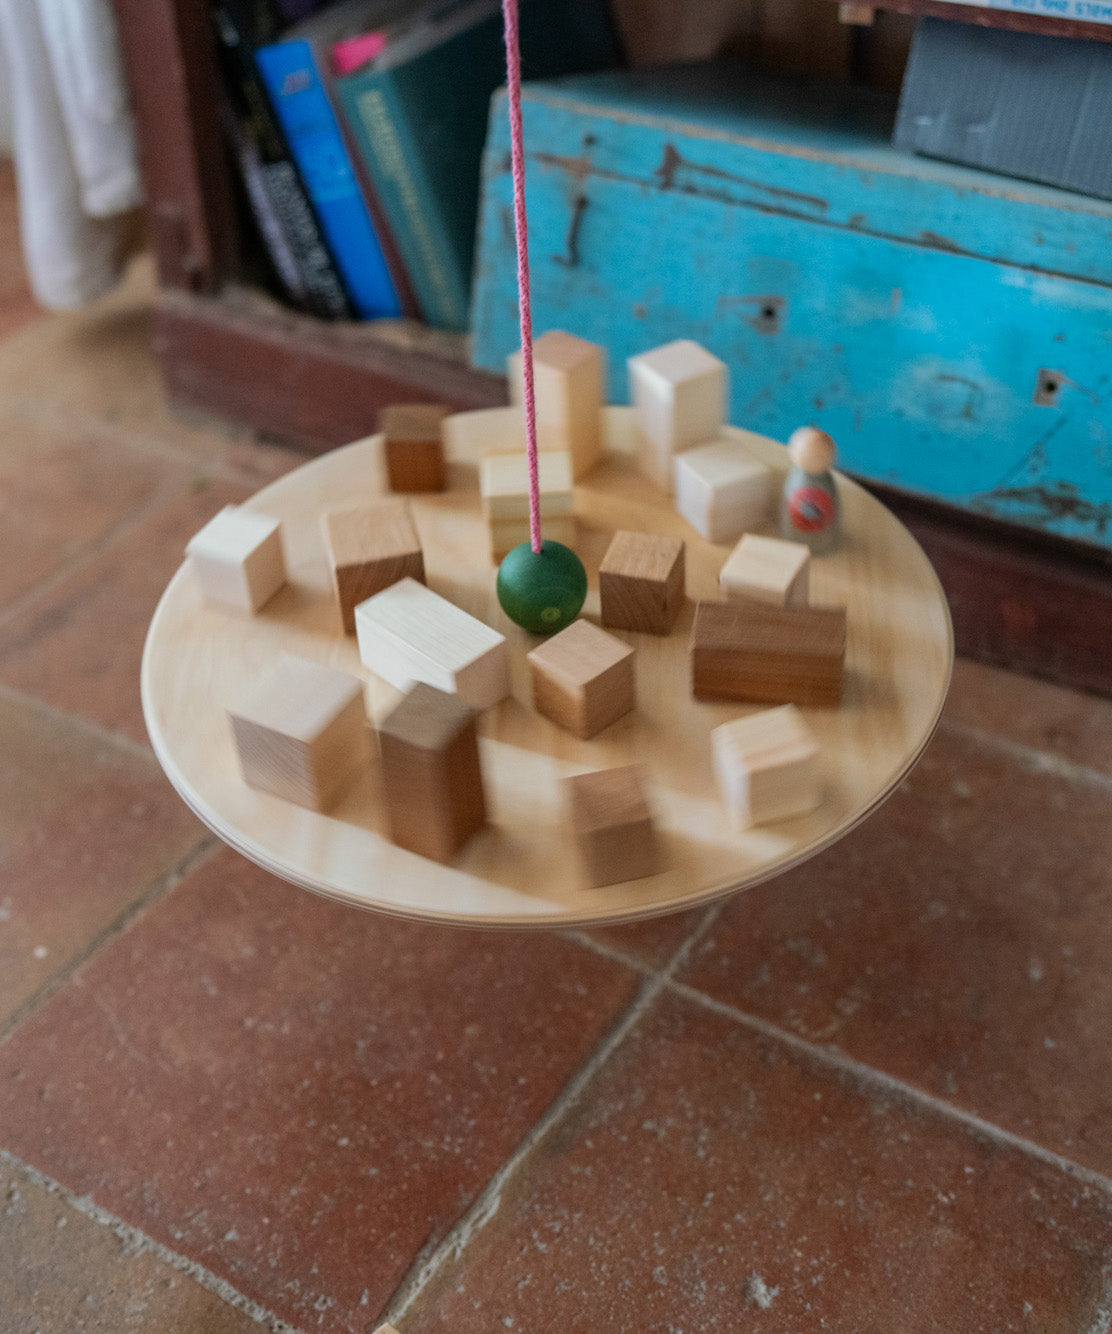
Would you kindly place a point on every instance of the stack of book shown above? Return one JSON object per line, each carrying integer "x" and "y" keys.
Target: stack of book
{"x": 359, "y": 134}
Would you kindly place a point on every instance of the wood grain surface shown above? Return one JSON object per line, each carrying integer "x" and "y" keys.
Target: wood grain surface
{"x": 521, "y": 870}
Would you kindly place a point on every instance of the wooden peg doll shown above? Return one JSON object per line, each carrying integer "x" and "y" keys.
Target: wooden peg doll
{"x": 809, "y": 510}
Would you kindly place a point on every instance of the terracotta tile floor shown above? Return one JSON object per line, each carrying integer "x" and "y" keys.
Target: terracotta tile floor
{"x": 874, "y": 1095}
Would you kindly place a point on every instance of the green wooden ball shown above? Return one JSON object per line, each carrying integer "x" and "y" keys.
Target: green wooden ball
{"x": 542, "y": 591}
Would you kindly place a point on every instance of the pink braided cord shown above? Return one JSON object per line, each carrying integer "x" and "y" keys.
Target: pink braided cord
{"x": 513, "y": 89}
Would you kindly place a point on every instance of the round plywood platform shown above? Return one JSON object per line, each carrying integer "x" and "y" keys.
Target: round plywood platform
{"x": 522, "y": 871}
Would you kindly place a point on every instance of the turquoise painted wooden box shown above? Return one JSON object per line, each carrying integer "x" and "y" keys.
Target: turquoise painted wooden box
{"x": 951, "y": 329}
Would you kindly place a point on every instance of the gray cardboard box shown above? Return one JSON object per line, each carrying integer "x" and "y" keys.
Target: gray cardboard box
{"x": 1012, "y": 102}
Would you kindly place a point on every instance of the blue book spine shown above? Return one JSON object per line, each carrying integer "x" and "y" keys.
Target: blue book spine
{"x": 316, "y": 144}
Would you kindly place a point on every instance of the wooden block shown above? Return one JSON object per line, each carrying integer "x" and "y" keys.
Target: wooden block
{"x": 582, "y": 678}
{"x": 413, "y": 446}
{"x": 505, "y": 534}
{"x": 386, "y": 1329}
{"x": 237, "y": 559}
{"x": 408, "y": 633}
{"x": 641, "y": 582}
{"x": 504, "y": 485}
{"x": 371, "y": 547}
{"x": 721, "y": 489}
{"x": 301, "y": 731}
{"x": 613, "y": 825}
{"x": 768, "y": 570}
{"x": 679, "y": 391}
{"x": 772, "y": 655}
{"x": 767, "y": 766}
{"x": 569, "y": 376}
{"x": 432, "y": 779}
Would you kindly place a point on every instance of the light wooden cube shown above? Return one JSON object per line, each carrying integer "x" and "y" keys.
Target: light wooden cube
{"x": 237, "y": 559}
{"x": 408, "y": 633}
{"x": 767, "y": 766}
{"x": 679, "y": 391}
{"x": 504, "y": 488}
{"x": 301, "y": 732}
{"x": 505, "y": 534}
{"x": 432, "y": 779}
{"x": 371, "y": 547}
{"x": 569, "y": 378}
{"x": 767, "y": 570}
{"x": 413, "y": 447}
{"x": 641, "y": 582}
{"x": 504, "y": 484}
{"x": 613, "y": 825}
{"x": 582, "y": 679}
{"x": 721, "y": 489}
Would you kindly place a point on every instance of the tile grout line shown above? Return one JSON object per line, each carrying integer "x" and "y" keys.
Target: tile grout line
{"x": 489, "y": 1200}
{"x": 869, "y": 1077}
{"x": 202, "y": 852}
{"x": 138, "y": 1243}
{"x": 89, "y": 554}
{"x": 138, "y": 750}
{"x": 587, "y": 942}
{"x": 1034, "y": 760}
{"x": 152, "y": 444}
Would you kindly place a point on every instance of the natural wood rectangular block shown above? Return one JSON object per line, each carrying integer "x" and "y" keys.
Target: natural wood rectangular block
{"x": 582, "y": 679}
{"x": 721, "y": 489}
{"x": 641, "y": 582}
{"x": 371, "y": 547}
{"x": 504, "y": 484}
{"x": 767, "y": 766}
{"x": 301, "y": 732}
{"x": 767, "y": 570}
{"x": 680, "y": 392}
{"x": 237, "y": 559}
{"x": 432, "y": 778}
{"x": 613, "y": 825}
{"x": 569, "y": 378}
{"x": 505, "y": 534}
{"x": 773, "y": 655}
{"x": 408, "y": 633}
{"x": 413, "y": 446}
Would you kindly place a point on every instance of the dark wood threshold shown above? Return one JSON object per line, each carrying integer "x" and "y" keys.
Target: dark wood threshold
{"x": 309, "y": 384}
{"x": 1019, "y": 599}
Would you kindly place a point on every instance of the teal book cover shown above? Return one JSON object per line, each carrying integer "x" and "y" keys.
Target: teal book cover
{"x": 418, "y": 114}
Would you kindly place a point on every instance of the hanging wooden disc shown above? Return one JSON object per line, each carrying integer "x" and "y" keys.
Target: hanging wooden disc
{"x": 521, "y": 870}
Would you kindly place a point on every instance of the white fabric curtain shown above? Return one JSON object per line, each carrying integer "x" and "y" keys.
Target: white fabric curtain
{"x": 73, "y": 143}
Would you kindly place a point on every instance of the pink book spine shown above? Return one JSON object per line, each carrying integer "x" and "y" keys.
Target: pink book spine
{"x": 353, "y": 52}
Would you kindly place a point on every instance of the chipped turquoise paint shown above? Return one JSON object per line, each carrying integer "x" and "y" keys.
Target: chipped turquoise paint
{"x": 909, "y": 315}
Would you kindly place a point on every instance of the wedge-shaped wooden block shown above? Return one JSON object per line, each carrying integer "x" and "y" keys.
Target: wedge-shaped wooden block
{"x": 505, "y": 534}
{"x": 721, "y": 489}
{"x": 413, "y": 446}
{"x": 582, "y": 679}
{"x": 767, "y": 766}
{"x": 772, "y": 655}
{"x": 504, "y": 484}
{"x": 301, "y": 732}
{"x": 569, "y": 375}
{"x": 431, "y": 775}
{"x": 641, "y": 582}
{"x": 679, "y": 391}
{"x": 767, "y": 570}
{"x": 408, "y": 633}
{"x": 371, "y": 547}
{"x": 613, "y": 825}
{"x": 237, "y": 559}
